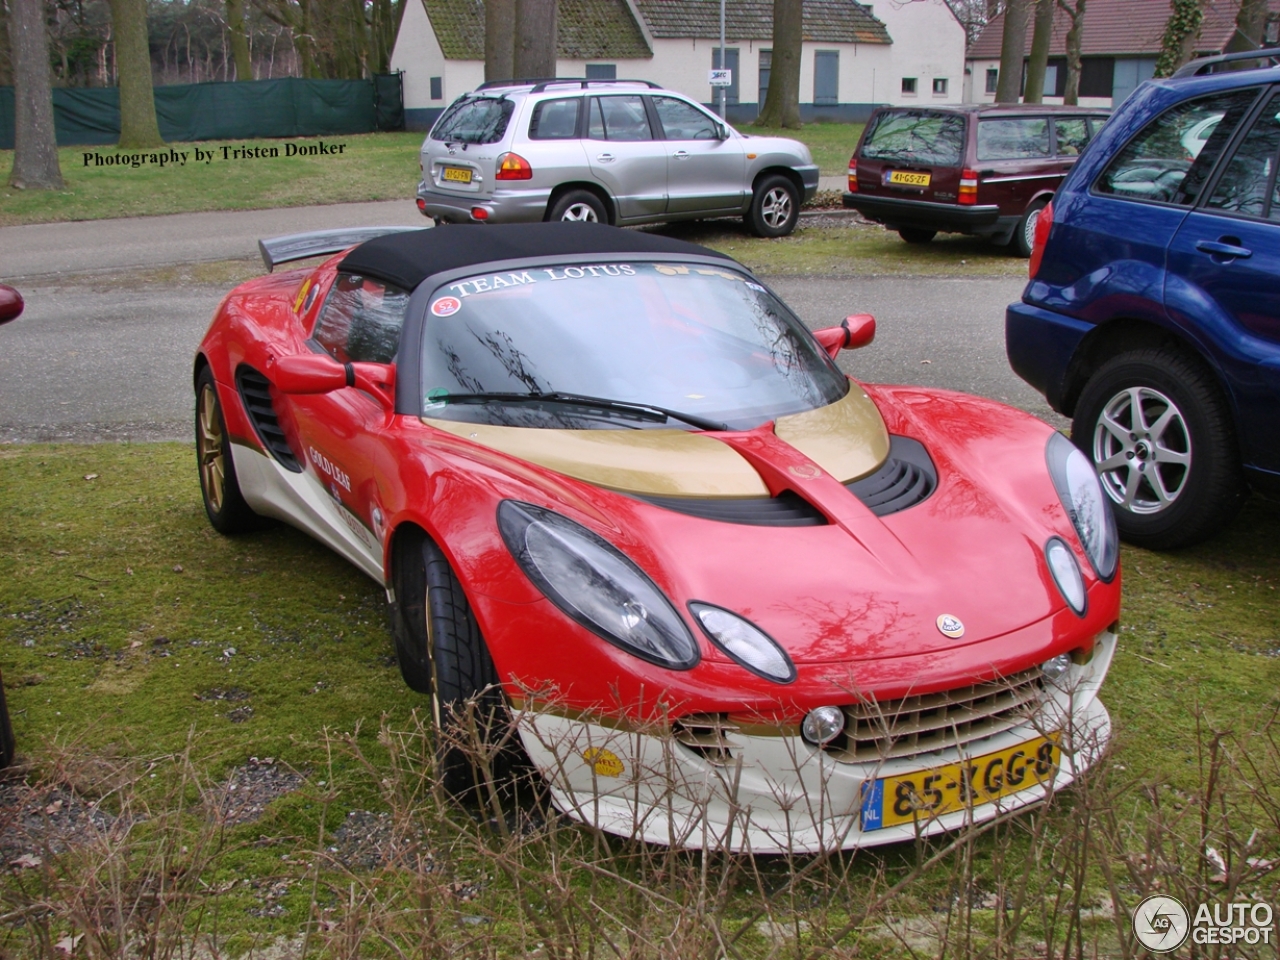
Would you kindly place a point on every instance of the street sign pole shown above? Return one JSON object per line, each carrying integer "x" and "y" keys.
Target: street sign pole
{"x": 721, "y": 93}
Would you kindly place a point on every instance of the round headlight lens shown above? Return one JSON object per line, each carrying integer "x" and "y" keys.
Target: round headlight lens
{"x": 1066, "y": 574}
{"x": 596, "y": 584}
{"x": 1090, "y": 510}
{"x": 822, "y": 725}
{"x": 746, "y": 643}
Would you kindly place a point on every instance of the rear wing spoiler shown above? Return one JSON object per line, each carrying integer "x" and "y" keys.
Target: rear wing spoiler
{"x": 319, "y": 243}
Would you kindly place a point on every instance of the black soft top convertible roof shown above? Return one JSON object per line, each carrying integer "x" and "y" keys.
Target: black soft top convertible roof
{"x": 406, "y": 259}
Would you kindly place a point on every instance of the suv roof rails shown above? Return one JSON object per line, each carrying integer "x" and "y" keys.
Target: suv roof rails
{"x": 541, "y": 83}
{"x": 1206, "y": 64}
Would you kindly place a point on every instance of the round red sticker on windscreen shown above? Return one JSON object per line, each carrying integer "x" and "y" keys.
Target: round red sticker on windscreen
{"x": 446, "y": 306}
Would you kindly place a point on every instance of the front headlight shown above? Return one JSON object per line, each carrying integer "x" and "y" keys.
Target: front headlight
{"x": 1090, "y": 511}
{"x": 597, "y": 585}
{"x": 746, "y": 643}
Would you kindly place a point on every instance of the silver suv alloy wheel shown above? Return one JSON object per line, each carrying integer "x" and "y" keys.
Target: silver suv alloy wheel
{"x": 580, "y": 213}
{"x": 1142, "y": 449}
{"x": 775, "y": 208}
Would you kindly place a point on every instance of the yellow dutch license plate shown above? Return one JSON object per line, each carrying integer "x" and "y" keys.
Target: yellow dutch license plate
{"x": 920, "y": 796}
{"x": 909, "y": 179}
{"x": 456, "y": 175}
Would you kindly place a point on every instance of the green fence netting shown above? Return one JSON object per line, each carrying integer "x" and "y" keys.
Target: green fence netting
{"x": 288, "y": 107}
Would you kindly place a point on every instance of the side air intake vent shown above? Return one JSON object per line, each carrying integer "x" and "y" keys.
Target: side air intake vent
{"x": 907, "y": 477}
{"x": 788, "y": 509}
{"x": 255, "y": 391}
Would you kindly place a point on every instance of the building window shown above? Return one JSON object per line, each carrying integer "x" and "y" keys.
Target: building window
{"x": 826, "y": 77}
{"x": 731, "y": 64}
{"x": 602, "y": 71}
{"x": 940, "y": 86}
{"x": 766, "y": 67}
{"x": 909, "y": 86}
{"x": 993, "y": 79}
{"x": 437, "y": 88}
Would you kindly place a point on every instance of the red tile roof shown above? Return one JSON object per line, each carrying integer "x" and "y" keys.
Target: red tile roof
{"x": 1120, "y": 27}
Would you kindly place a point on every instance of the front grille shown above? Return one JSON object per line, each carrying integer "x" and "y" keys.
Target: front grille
{"x": 255, "y": 393}
{"x": 906, "y": 478}
{"x": 787, "y": 509}
{"x": 705, "y": 735}
{"x": 937, "y": 721}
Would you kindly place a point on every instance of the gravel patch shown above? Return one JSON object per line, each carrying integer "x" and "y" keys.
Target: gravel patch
{"x": 244, "y": 797}
{"x": 39, "y": 821}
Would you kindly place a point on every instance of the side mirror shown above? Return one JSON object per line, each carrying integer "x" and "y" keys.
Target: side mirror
{"x": 320, "y": 373}
{"x": 854, "y": 331}
{"x": 722, "y": 132}
{"x": 10, "y": 303}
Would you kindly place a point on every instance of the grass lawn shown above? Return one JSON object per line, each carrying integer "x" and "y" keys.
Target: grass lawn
{"x": 375, "y": 166}
{"x": 147, "y": 659}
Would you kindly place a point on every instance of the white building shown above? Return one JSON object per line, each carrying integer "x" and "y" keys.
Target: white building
{"x": 855, "y": 56}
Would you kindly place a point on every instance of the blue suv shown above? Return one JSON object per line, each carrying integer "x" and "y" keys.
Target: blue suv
{"x": 1152, "y": 317}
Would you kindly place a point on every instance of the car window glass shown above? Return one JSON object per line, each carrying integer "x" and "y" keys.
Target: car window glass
{"x": 1072, "y": 134}
{"x": 1013, "y": 138}
{"x": 1250, "y": 173}
{"x": 700, "y": 339}
{"x": 915, "y": 137}
{"x": 474, "y": 120}
{"x": 361, "y": 320}
{"x": 555, "y": 119}
{"x": 681, "y": 121}
{"x": 1171, "y": 157}
{"x": 619, "y": 118}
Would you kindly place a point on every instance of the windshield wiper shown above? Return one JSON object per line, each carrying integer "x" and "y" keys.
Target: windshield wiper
{"x": 647, "y": 411}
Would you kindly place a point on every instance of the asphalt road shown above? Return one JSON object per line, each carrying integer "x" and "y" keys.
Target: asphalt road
{"x": 110, "y": 358}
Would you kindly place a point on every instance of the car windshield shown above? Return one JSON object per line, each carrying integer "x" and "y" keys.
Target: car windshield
{"x": 933, "y": 138}
{"x": 474, "y": 120}
{"x": 617, "y": 344}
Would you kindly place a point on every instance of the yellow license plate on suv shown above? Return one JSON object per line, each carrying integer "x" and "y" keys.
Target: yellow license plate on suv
{"x": 920, "y": 796}
{"x": 907, "y": 179}
{"x": 456, "y": 175}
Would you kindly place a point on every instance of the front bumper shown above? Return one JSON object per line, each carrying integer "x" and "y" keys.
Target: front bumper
{"x": 776, "y": 793}
{"x": 897, "y": 213}
{"x": 504, "y": 205}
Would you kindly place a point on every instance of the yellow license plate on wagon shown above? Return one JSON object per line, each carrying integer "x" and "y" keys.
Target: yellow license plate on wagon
{"x": 456, "y": 175}
{"x": 908, "y": 179}
{"x": 920, "y": 796}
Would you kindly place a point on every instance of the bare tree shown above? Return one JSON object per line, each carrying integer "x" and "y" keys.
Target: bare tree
{"x": 1075, "y": 11}
{"x": 782, "y": 100}
{"x": 1012, "y": 43}
{"x": 535, "y": 39}
{"x": 1180, "y": 34}
{"x": 138, "y": 127}
{"x": 1251, "y": 26}
{"x": 1038, "y": 62}
{"x": 35, "y": 154}
{"x": 499, "y": 39}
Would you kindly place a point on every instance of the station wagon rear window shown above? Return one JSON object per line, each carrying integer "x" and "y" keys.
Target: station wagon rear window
{"x": 916, "y": 137}
{"x": 474, "y": 120}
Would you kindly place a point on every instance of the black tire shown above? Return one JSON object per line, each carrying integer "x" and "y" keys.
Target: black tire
{"x": 441, "y": 652}
{"x": 223, "y": 502}
{"x": 916, "y": 235}
{"x": 579, "y": 206}
{"x": 1178, "y": 483}
{"x": 7, "y": 744}
{"x": 775, "y": 207}
{"x": 1024, "y": 235}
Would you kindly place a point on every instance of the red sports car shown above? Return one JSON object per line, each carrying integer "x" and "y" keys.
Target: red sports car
{"x": 728, "y": 597}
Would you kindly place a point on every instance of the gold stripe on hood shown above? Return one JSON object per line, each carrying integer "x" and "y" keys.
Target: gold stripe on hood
{"x": 847, "y": 438}
{"x": 665, "y": 462}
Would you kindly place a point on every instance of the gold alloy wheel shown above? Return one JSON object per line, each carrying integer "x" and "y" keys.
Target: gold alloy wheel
{"x": 211, "y": 448}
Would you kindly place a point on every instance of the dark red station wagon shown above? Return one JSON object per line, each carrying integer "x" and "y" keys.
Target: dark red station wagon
{"x": 982, "y": 169}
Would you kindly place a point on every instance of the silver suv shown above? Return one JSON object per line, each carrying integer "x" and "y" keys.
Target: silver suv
{"x": 608, "y": 151}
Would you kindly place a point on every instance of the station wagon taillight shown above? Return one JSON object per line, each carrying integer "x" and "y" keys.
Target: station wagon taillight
{"x": 968, "y": 187}
{"x": 853, "y": 174}
{"x": 512, "y": 166}
{"x": 1044, "y": 223}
